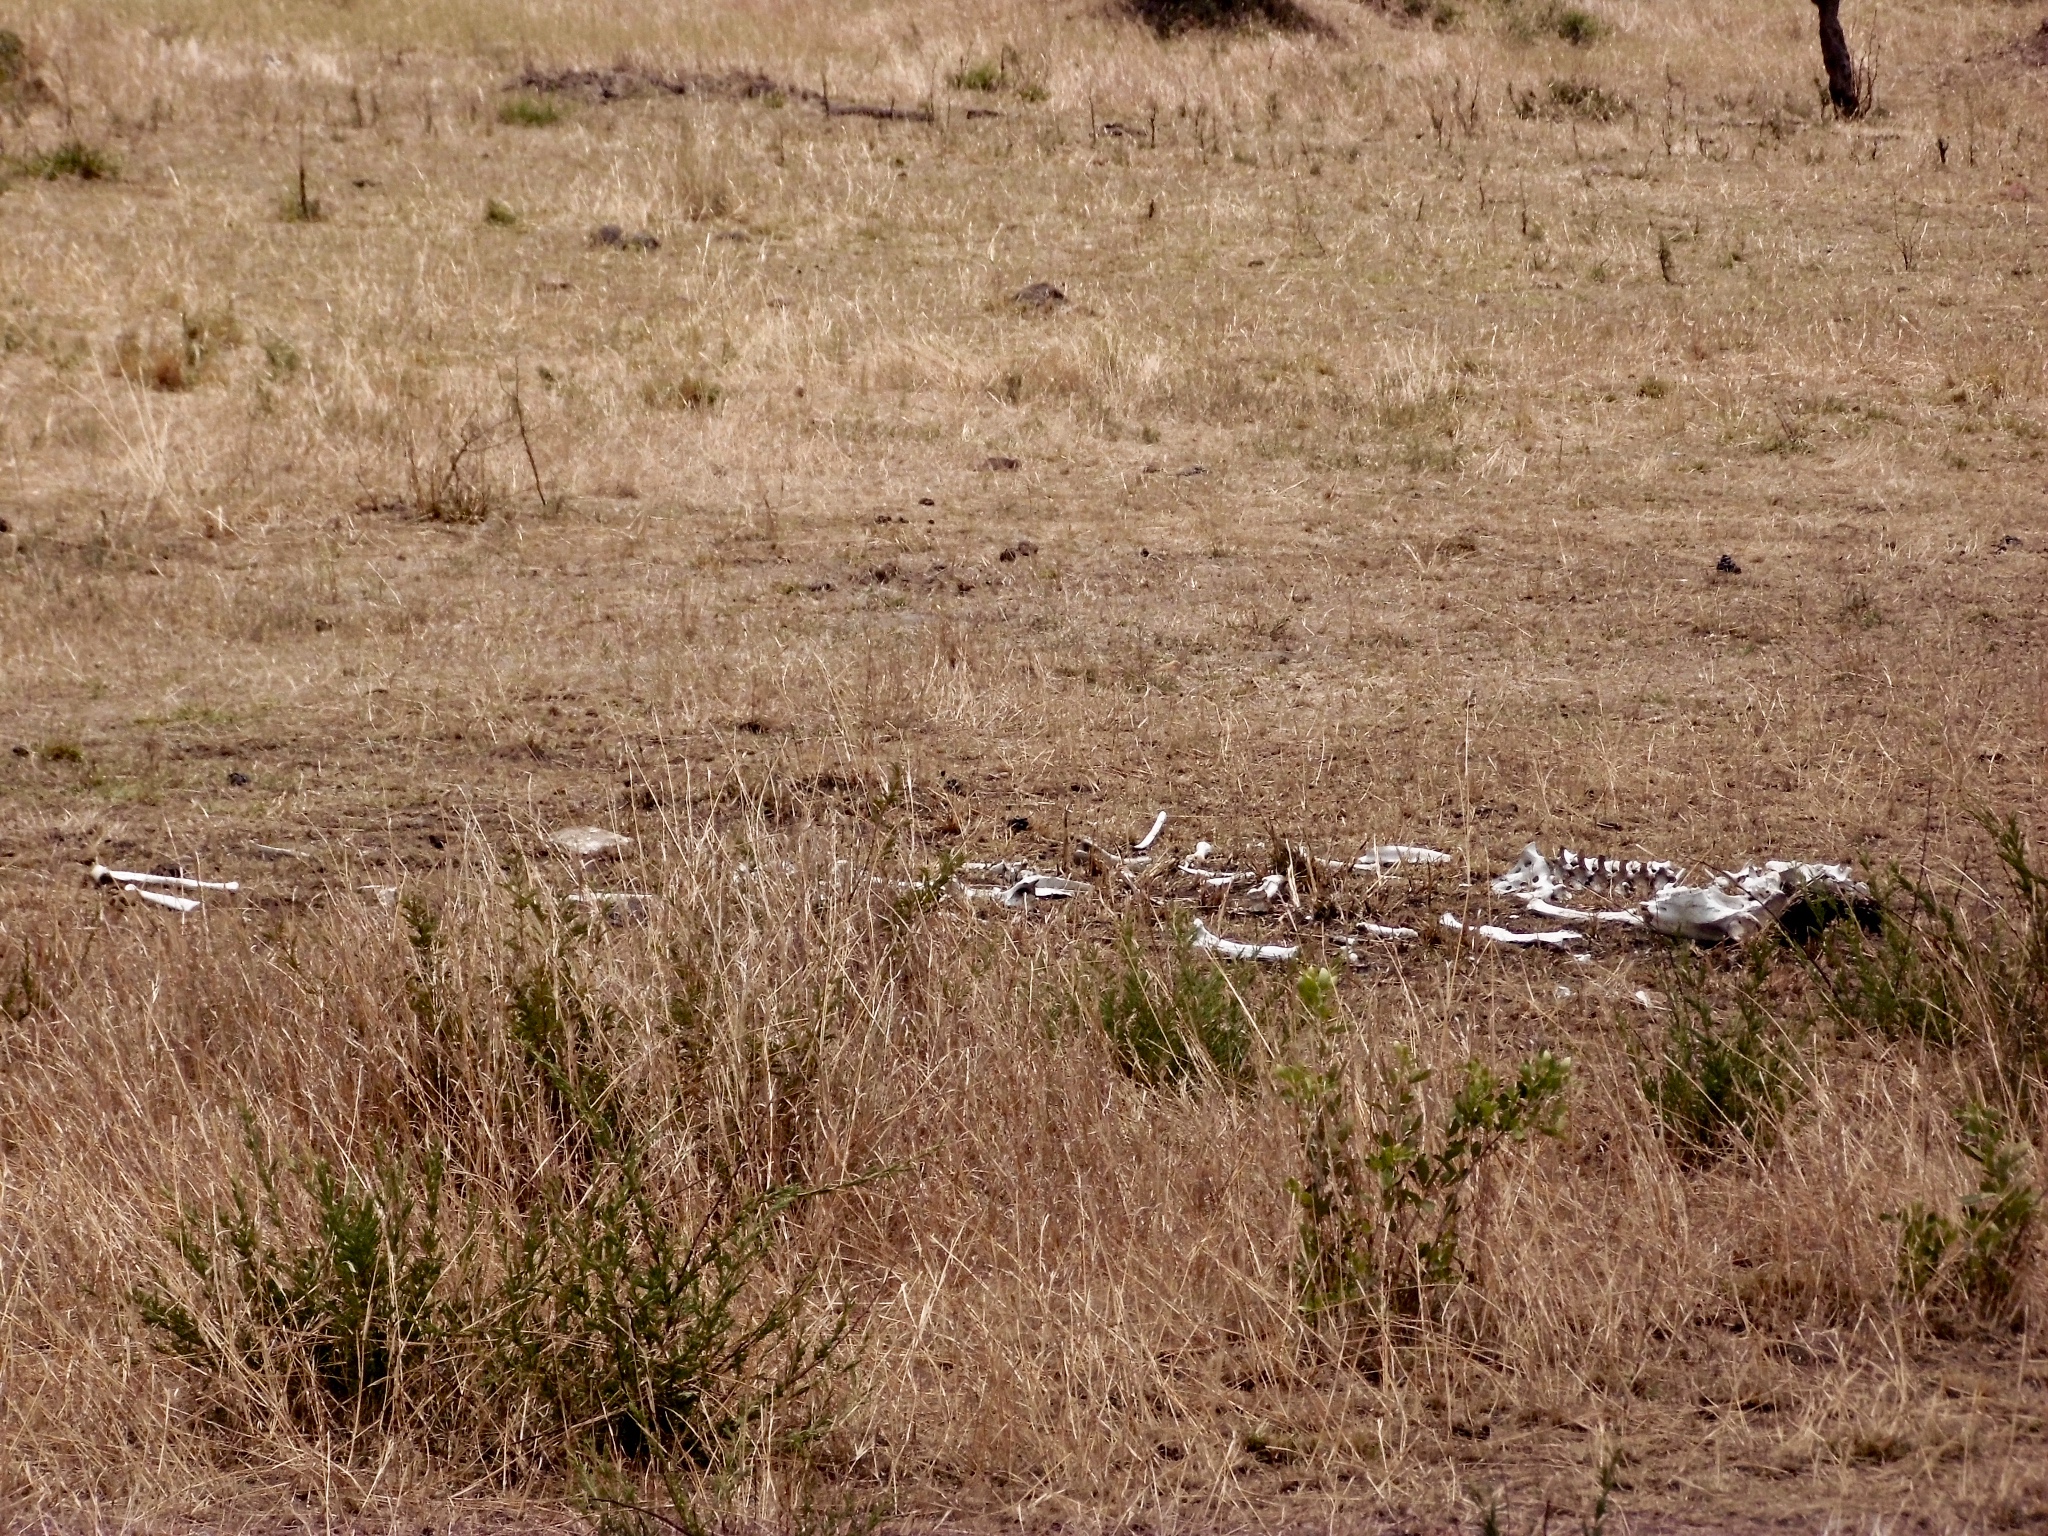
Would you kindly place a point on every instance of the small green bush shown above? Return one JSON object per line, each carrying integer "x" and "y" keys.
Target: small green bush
{"x": 1581, "y": 28}
{"x": 1381, "y": 1205}
{"x": 1973, "y": 1261}
{"x": 985, "y": 76}
{"x": 500, "y": 214}
{"x": 75, "y": 158}
{"x": 594, "y": 1321}
{"x": 1179, "y": 1026}
{"x": 1720, "y": 1086}
{"x": 529, "y": 112}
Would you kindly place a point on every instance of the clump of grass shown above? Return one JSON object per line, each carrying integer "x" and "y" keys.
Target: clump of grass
{"x": 500, "y": 214}
{"x": 529, "y": 112}
{"x": 74, "y": 158}
{"x": 686, "y": 392}
{"x": 61, "y": 752}
{"x": 1167, "y": 17}
{"x": 282, "y": 357}
{"x": 1651, "y": 387}
{"x": 179, "y": 362}
{"x": 1577, "y": 26}
{"x": 1717, "y": 1085}
{"x": 1974, "y": 1261}
{"x": 1584, "y": 99}
{"x": 986, "y": 76}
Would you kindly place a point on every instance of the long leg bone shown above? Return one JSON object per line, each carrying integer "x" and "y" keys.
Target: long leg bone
{"x": 101, "y": 875}
{"x": 1556, "y": 938}
{"x": 163, "y": 899}
{"x": 1158, "y": 826}
{"x": 1231, "y": 949}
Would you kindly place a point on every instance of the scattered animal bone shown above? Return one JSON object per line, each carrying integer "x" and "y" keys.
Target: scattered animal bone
{"x": 1385, "y": 931}
{"x": 1231, "y": 949}
{"x": 589, "y": 842}
{"x": 179, "y": 904}
{"x": 128, "y": 880}
{"x": 1158, "y": 826}
{"x": 385, "y": 895}
{"x": 1388, "y": 855}
{"x": 1543, "y": 908}
{"x": 1556, "y": 938}
{"x": 1019, "y": 883}
{"x": 1534, "y": 876}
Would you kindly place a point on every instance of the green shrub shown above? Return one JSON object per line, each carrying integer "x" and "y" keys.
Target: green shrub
{"x": 500, "y": 214}
{"x": 1720, "y": 1086}
{"x": 593, "y": 1320}
{"x": 1581, "y": 28}
{"x": 1973, "y": 1261}
{"x": 1178, "y": 1026}
{"x": 76, "y": 158}
{"x": 1381, "y": 1205}
{"x": 528, "y": 112}
{"x": 985, "y": 76}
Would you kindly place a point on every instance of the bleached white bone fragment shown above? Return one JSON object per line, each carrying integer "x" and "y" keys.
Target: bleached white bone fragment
{"x": 1096, "y": 850}
{"x": 1388, "y": 855}
{"x": 1556, "y": 938}
{"x": 1202, "y": 851}
{"x": 101, "y": 875}
{"x": 1705, "y": 913}
{"x": 163, "y": 899}
{"x": 1531, "y": 874}
{"x": 1231, "y": 949}
{"x": 1385, "y": 931}
{"x": 386, "y": 895}
{"x": 1645, "y": 998}
{"x": 589, "y": 842}
{"x": 1158, "y": 826}
{"x": 1544, "y": 908}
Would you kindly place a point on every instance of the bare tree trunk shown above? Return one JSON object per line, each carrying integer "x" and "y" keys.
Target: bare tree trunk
{"x": 1834, "y": 53}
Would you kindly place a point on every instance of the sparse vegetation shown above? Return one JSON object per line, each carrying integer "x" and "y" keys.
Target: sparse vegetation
{"x": 524, "y": 111}
{"x": 74, "y": 158}
{"x": 1376, "y": 481}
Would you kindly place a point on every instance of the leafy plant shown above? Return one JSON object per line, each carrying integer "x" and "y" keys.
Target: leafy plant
{"x": 1382, "y": 1201}
{"x": 528, "y": 112}
{"x": 1716, "y": 1085}
{"x": 74, "y": 158}
{"x": 602, "y": 1322}
{"x": 1976, "y": 1259}
{"x": 1179, "y": 1027}
{"x": 340, "y": 1315}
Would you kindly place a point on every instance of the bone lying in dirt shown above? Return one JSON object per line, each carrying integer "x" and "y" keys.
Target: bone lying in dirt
{"x": 1556, "y": 938}
{"x": 1390, "y": 855}
{"x": 1725, "y": 906}
{"x": 1158, "y": 826}
{"x": 128, "y": 879}
{"x": 163, "y": 899}
{"x": 1231, "y": 949}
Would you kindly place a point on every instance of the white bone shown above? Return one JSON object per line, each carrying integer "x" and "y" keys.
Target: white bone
{"x": 1543, "y": 908}
{"x": 1202, "y": 851}
{"x": 1556, "y": 938}
{"x": 387, "y": 895}
{"x": 1231, "y": 949}
{"x": 589, "y": 842}
{"x": 1531, "y": 873}
{"x": 1705, "y": 913}
{"x": 1158, "y": 826}
{"x": 1388, "y": 855}
{"x": 1384, "y": 931}
{"x": 101, "y": 875}
{"x": 623, "y": 903}
{"x": 163, "y": 899}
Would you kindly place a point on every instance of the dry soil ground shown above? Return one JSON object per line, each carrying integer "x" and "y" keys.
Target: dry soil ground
{"x": 369, "y": 513}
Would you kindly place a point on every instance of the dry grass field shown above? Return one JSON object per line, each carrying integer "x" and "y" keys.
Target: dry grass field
{"x": 370, "y": 513}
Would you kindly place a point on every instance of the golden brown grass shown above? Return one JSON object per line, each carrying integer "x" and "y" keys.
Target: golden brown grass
{"x": 1482, "y": 370}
